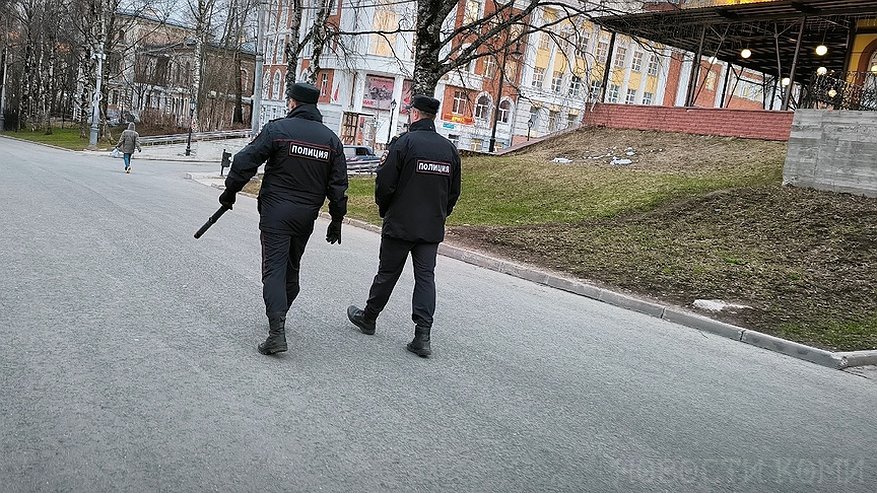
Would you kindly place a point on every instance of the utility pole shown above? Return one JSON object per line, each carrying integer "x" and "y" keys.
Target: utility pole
{"x": 258, "y": 77}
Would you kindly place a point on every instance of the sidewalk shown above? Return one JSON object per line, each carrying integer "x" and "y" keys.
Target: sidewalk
{"x": 202, "y": 151}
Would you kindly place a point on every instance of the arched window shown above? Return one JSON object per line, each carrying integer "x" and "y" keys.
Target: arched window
{"x": 276, "y": 92}
{"x": 266, "y": 83}
{"x": 482, "y": 107}
{"x": 278, "y": 51}
{"x": 505, "y": 110}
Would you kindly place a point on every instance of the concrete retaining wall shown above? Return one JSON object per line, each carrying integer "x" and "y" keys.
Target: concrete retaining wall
{"x": 834, "y": 151}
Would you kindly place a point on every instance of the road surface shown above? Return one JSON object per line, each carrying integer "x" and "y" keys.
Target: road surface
{"x": 128, "y": 363}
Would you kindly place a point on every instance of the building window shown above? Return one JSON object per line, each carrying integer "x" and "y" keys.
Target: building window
{"x": 620, "y": 55}
{"x": 594, "y": 94}
{"x": 556, "y": 81}
{"x": 653, "y": 65}
{"x": 571, "y": 119}
{"x": 631, "y": 97}
{"x": 636, "y": 63}
{"x": 575, "y": 86}
{"x": 459, "y": 103}
{"x": 711, "y": 78}
{"x": 324, "y": 85}
{"x": 473, "y": 11}
{"x": 489, "y": 66}
{"x": 584, "y": 41}
{"x": 544, "y": 41}
{"x": 648, "y": 98}
{"x": 552, "y": 121}
{"x": 602, "y": 50}
{"x": 505, "y": 109}
{"x": 276, "y": 86}
{"x": 612, "y": 93}
{"x": 534, "y": 117}
{"x": 538, "y": 76}
{"x": 482, "y": 107}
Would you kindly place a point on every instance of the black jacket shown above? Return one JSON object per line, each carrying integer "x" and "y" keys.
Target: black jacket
{"x": 305, "y": 166}
{"x": 418, "y": 184}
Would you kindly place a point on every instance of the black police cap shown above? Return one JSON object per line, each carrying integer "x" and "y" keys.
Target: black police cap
{"x": 425, "y": 104}
{"x": 303, "y": 93}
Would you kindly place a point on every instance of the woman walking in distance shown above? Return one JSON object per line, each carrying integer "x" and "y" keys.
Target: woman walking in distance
{"x": 127, "y": 143}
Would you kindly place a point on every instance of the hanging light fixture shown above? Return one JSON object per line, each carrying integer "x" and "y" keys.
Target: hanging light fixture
{"x": 832, "y": 93}
{"x": 821, "y": 50}
{"x": 874, "y": 69}
{"x": 822, "y": 71}
{"x": 786, "y": 81}
{"x": 746, "y": 53}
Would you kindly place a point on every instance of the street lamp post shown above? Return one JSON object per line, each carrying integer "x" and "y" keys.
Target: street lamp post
{"x": 392, "y": 113}
{"x": 191, "y": 124}
{"x": 530, "y": 124}
{"x": 95, "y": 109}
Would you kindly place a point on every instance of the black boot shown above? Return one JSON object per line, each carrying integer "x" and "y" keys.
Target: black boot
{"x": 358, "y": 318}
{"x": 276, "y": 341}
{"x": 420, "y": 344}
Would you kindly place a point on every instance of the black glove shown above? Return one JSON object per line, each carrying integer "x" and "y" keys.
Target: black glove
{"x": 227, "y": 198}
{"x": 333, "y": 234}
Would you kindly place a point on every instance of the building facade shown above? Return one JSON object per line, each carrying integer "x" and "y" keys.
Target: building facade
{"x": 552, "y": 76}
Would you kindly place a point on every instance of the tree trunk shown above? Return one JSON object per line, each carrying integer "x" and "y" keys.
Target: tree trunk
{"x": 319, "y": 38}
{"x": 293, "y": 48}
{"x": 428, "y": 43}
{"x": 238, "y": 90}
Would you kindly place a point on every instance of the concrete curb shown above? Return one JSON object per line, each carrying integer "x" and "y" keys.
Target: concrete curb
{"x": 40, "y": 143}
{"x": 670, "y": 313}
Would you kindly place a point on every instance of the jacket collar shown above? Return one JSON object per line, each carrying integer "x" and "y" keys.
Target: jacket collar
{"x": 306, "y": 112}
{"x": 425, "y": 124}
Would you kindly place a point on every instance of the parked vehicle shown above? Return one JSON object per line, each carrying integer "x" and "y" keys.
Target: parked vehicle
{"x": 361, "y": 159}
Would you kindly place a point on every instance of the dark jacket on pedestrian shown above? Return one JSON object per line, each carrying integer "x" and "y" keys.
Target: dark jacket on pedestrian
{"x": 305, "y": 165}
{"x": 128, "y": 141}
{"x": 418, "y": 184}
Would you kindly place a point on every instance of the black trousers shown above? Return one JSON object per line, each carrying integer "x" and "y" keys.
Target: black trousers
{"x": 393, "y": 255}
{"x": 281, "y": 261}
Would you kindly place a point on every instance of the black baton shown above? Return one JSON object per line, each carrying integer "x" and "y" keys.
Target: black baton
{"x": 215, "y": 217}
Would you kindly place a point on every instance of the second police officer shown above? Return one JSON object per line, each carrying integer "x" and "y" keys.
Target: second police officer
{"x": 416, "y": 188}
{"x": 305, "y": 165}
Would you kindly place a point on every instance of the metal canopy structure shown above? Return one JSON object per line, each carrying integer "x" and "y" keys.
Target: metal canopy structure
{"x": 781, "y": 35}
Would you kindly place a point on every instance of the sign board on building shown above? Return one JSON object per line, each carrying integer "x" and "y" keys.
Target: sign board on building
{"x": 378, "y": 92}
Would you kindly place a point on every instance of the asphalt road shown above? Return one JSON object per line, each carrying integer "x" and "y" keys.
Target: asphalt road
{"x": 128, "y": 363}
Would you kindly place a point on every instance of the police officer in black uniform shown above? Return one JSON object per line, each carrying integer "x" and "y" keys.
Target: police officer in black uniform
{"x": 305, "y": 165}
{"x": 416, "y": 188}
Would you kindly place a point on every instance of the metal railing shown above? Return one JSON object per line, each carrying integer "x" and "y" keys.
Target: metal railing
{"x": 181, "y": 138}
{"x": 842, "y": 91}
